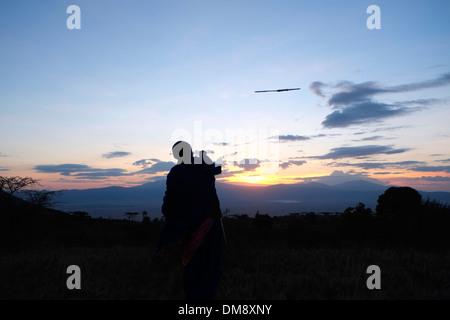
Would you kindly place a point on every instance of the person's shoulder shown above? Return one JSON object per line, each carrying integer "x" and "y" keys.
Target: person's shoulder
{"x": 174, "y": 169}
{"x": 179, "y": 169}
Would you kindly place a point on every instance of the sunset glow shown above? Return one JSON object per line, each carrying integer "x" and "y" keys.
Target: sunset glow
{"x": 102, "y": 105}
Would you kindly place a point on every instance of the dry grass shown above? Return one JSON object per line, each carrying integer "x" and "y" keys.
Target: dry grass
{"x": 282, "y": 259}
{"x": 263, "y": 273}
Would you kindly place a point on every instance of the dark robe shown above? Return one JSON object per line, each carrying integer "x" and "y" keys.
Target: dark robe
{"x": 189, "y": 200}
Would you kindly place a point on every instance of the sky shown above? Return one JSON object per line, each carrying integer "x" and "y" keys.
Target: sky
{"x": 102, "y": 105}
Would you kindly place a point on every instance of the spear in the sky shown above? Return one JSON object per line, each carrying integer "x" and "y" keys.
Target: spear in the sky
{"x": 277, "y": 90}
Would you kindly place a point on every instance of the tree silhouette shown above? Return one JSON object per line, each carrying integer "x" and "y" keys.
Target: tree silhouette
{"x": 131, "y": 215}
{"x": 12, "y": 185}
{"x": 145, "y": 217}
{"x": 356, "y": 221}
{"x": 360, "y": 212}
{"x": 42, "y": 198}
{"x": 399, "y": 202}
{"x": 226, "y": 212}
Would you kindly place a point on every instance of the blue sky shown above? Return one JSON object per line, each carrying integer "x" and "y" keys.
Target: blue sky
{"x": 103, "y": 105}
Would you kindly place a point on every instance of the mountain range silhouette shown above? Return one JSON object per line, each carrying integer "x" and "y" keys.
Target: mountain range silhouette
{"x": 281, "y": 199}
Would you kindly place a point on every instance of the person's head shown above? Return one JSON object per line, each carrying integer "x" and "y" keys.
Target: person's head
{"x": 208, "y": 164}
{"x": 206, "y": 160}
{"x": 182, "y": 151}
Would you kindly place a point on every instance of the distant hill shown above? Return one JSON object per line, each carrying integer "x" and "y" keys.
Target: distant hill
{"x": 278, "y": 199}
{"x": 360, "y": 185}
{"x": 113, "y": 202}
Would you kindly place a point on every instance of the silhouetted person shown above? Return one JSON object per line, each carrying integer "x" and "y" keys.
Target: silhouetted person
{"x": 192, "y": 217}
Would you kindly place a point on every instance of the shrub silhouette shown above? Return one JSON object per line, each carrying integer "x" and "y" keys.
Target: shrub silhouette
{"x": 358, "y": 213}
{"x": 145, "y": 218}
{"x": 436, "y": 209}
{"x": 356, "y": 220}
{"x": 131, "y": 215}
{"x": 399, "y": 203}
{"x": 263, "y": 220}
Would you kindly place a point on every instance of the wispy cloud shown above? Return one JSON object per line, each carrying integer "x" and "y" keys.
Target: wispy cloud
{"x": 354, "y": 102}
{"x": 440, "y": 81}
{"x": 389, "y": 128}
{"x": 81, "y": 171}
{"x": 3, "y": 169}
{"x": 420, "y": 102}
{"x": 321, "y": 135}
{"x": 371, "y": 138}
{"x": 161, "y": 166}
{"x": 115, "y": 154}
{"x": 378, "y": 165}
{"x": 349, "y": 92}
{"x": 432, "y": 168}
{"x": 294, "y": 137}
{"x": 101, "y": 174}
{"x": 363, "y": 112}
{"x": 144, "y": 163}
{"x": 287, "y": 164}
{"x": 436, "y": 66}
{"x": 152, "y": 166}
{"x": 359, "y": 151}
{"x": 64, "y": 169}
{"x": 290, "y": 137}
{"x": 317, "y": 87}
{"x": 339, "y": 176}
{"x": 436, "y": 178}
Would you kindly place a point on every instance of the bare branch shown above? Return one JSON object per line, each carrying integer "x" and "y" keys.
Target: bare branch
{"x": 12, "y": 185}
{"x": 42, "y": 198}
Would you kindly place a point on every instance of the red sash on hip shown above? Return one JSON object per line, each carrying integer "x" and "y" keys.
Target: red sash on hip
{"x": 189, "y": 244}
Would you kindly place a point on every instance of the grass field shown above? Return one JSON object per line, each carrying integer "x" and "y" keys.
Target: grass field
{"x": 287, "y": 260}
